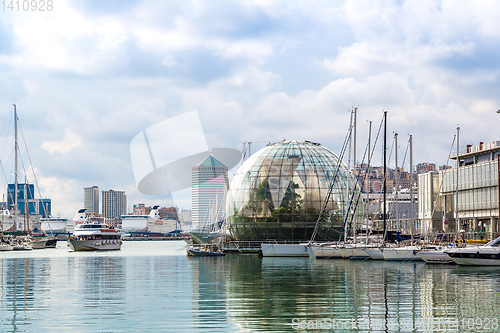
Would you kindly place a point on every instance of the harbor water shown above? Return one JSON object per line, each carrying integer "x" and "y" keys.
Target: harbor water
{"x": 154, "y": 287}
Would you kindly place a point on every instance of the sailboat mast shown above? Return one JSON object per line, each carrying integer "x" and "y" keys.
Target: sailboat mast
{"x": 26, "y": 208}
{"x": 16, "y": 217}
{"x": 411, "y": 187}
{"x": 367, "y": 205}
{"x": 397, "y": 180}
{"x": 354, "y": 168}
{"x": 457, "y": 219}
{"x": 349, "y": 173}
{"x": 384, "y": 188}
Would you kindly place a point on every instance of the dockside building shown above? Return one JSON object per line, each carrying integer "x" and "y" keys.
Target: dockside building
{"x": 469, "y": 207}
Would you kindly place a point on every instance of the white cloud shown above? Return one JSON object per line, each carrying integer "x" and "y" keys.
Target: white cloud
{"x": 71, "y": 141}
{"x": 87, "y": 82}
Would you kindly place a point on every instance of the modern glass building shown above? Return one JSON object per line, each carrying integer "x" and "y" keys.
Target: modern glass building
{"x": 40, "y": 207}
{"x": 279, "y": 192}
{"x": 209, "y": 190}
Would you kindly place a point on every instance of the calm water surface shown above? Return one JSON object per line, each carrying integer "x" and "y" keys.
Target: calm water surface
{"x": 154, "y": 287}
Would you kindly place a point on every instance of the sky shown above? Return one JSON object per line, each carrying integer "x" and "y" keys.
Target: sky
{"x": 88, "y": 76}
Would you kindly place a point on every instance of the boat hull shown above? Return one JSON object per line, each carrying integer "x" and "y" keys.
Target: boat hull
{"x": 408, "y": 253}
{"x": 204, "y": 237}
{"x": 475, "y": 257}
{"x": 39, "y": 243}
{"x": 375, "y": 253}
{"x": 435, "y": 257}
{"x": 199, "y": 253}
{"x": 325, "y": 252}
{"x": 95, "y": 245}
{"x": 284, "y": 250}
{"x": 354, "y": 252}
{"x": 51, "y": 243}
{"x": 6, "y": 247}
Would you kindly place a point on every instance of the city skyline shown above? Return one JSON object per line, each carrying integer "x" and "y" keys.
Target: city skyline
{"x": 88, "y": 76}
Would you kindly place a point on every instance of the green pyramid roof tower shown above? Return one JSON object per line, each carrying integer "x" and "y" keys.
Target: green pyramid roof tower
{"x": 210, "y": 161}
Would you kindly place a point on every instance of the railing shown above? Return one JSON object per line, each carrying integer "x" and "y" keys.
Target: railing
{"x": 463, "y": 237}
{"x": 475, "y": 149}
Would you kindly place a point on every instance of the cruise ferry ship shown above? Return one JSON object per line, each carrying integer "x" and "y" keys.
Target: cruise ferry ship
{"x": 94, "y": 235}
{"x": 148, "y": 224}
{"x": 57, "y": 227}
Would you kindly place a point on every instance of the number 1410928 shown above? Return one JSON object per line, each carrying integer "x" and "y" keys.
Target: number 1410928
{"x": 27, "y": 5}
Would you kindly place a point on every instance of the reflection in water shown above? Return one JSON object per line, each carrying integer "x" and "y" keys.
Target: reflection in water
{"x": 160, "y": 292}
{"x": 275, "y": 293}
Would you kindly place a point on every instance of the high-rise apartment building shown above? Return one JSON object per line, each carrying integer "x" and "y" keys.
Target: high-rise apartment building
{"x": 91, "y": 199}
{"x": 209, "y": 189}
{"x": 114, "y": 204}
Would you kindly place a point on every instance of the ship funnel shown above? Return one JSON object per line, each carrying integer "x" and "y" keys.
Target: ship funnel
{"x": 80, "y": 216}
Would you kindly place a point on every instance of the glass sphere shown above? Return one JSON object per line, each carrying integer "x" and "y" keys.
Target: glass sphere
{"x": 279, "y": 192}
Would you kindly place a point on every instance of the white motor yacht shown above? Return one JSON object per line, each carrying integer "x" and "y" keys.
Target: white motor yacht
{"x": 483, "y": 255}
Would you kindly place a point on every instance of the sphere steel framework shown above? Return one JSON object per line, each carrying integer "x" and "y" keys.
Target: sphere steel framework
{"x": 279, "y": 191}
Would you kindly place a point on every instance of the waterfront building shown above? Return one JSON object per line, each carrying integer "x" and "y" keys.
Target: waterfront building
{"x": 141, "y": 209}
{"x": 425, "y": 167}
{"x": 91, "y": 199}
{"x": 444, "y": 167}
{"x": 165, "y": 213}
{"x": 209, "y": 189}
{"x": 279, "y": 192}
{"x": 432, "y": 216}
{"x": 398, "y": 209}
{"x": 185, "y": 219}
{"x": 169, "y": 213}
{"x": 26, "y": 197}
{"x": 114, "y": 204}
{"x": 476, "y": 214}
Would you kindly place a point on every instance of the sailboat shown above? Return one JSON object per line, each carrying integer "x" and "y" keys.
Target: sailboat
{"x": 437, "y": 254}
{"x": 356, "y": 247}
{"x": 23, "y": 239}
{"x": 214, "y": 225}
{"x": 410, "y": 251}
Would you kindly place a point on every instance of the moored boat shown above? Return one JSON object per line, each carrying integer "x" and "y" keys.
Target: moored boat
{"x": 325, "y": 251}
{"x": 149, "y": 224}
{"x": 375, "y": 253}
{"x": 22, "y": 243}
{"x": 284, "y": 250}
{"x": 204, "y": 253}
{"x": 51, "y": 243}
{"x": 57, "y": 227}
{"x": 402, "y": 253}
{"x": 6, "y": 247}
{"x": 484, "y": 255}
{"x": 435, "y": 255}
